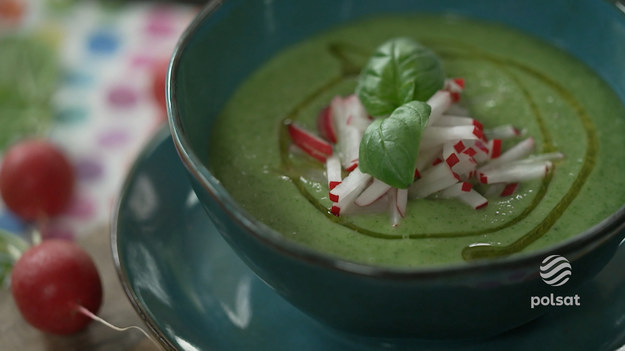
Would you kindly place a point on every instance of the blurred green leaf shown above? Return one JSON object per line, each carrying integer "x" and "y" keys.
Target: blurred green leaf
{"x": 11, "y": 249}
{"x": 28, "y": 77}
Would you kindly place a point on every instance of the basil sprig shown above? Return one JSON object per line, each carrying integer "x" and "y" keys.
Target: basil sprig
{"x": 399, "y": 76}
{"x": 389, "y": 146}
{"x": 399, "y": 71}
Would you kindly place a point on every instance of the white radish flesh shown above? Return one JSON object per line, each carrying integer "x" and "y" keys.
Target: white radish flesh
{"x": 434, "y": 135}
{"x": 452, "y": 120}
{"x": 502, "y": 132}
{"x": 402, "y": 201}
{"x": 333, "y": 171}
{"x": 381, "y": 205}
{"x": 344, "y": 194}
{"x": 439, "y": 103}
{"x": 350, "y": 121}
{"x": 372, "y": 193}
{"x": 395, "y": 212}
{"x": 426, "y": 157}
{"x": 518, "y": 151}
{"x": 434, "y": 179}
{"x": 456, "y": 189}
{"x": 473, "y": 199}
{"x": 349, "y": 147}
{"x": 515, "y": 172}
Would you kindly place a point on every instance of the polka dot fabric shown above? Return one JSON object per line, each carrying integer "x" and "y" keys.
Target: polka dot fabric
{"x": 104, "y": 108}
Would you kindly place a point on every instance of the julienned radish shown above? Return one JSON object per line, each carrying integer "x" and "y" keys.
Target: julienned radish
{"x": 51, "y": 281}
{"x": 310, "y": 143}
{"x": 454, "y": 154}
{"x": 420, "y": 144}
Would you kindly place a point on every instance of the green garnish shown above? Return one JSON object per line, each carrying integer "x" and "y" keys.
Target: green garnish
{"x": 389, "y": 146}
{"x": 401, "y": 70}
{"x": 28, "y": 78}
{"x": 398, "y": 77}
{"x": 11, "y": 248}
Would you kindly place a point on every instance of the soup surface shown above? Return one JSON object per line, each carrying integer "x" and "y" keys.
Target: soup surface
{"x": 510, "y": 78}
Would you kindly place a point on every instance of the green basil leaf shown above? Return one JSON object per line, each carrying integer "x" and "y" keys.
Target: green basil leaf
{"x": 389, "y": 146}
{"x": 400, "y": 70}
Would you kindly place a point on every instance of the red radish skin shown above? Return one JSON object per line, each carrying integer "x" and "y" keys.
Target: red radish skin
{"x": 459, "y": 82}
{"x": 36, "y": 179}
{"x": 509, "y": 189}
{"x": 417, "y": 175}
{"x": 495, "y": 148}
{"x": 326, "y": 125}
{"x": 310, "y": 143}
{"x": 50, "y": 281}
{"x": 352, "y": 166}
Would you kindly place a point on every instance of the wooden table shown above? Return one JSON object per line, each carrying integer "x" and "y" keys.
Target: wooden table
{"x": 17, "y": 335}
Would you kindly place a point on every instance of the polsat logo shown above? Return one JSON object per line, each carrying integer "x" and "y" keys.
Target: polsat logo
{"x": 555, "y": 270}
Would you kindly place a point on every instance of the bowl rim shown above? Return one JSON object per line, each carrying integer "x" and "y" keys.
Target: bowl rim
{"x": 581, "y": 243}
{"x": 156, "y": 332}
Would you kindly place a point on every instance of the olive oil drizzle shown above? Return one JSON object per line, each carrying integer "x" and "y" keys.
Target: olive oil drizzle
{"x": 345, "y": 53}
{"x": 487, "y": 250}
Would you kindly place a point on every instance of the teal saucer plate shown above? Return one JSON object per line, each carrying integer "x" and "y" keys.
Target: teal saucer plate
{"x": 194, "y": 293}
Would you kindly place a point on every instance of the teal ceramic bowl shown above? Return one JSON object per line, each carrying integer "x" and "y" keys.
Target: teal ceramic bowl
{"x": 230, "y": 40}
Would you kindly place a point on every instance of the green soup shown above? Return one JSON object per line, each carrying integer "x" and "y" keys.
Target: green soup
{"x": 511, "y": 78}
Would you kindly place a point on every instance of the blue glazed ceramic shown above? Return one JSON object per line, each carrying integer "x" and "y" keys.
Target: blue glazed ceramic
{"x": 229, "y": 40}
{"x": 194, "y": 292}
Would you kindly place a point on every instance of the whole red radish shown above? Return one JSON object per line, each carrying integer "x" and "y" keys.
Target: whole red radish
{"x": 50, "y": 281}
{"x": 36, "y": 179}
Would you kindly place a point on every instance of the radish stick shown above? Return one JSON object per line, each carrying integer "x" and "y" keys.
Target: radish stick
{"x": 455, "y": 87}
{"x": 325, "y": 125}
{"x": 426, "y": 157}
{"x": 509, "y": 189}
{"x": 433, "y": 135}
{"x": 434, "y": 179}
{"x": 439, "y": 102}
{"x": 502, "y": 132}
{"x": 310, "y": 143}
{"x": 398, "y": 199}
{"x": 378, "y": 206}
{"x": 456, "y": 189}
{"x": 520, "y": 150}
{"x": 402, "y": 201}
{"x": 373, "y": 192}
{"x": 350, "y": 121}
{"x": 452, "y": 120}
{"x": 494, "y": 145}
{"x": 473, "y": 199}
{"x": 457, "y": 110}
{"x": 344, "y": 194}
{"x": 455, "y": 152}
{"x": 515, "y": 172}
{"x": 333, "y": 171}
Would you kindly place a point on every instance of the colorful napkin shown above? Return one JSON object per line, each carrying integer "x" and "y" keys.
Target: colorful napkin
{"x": 82, "y": 73}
